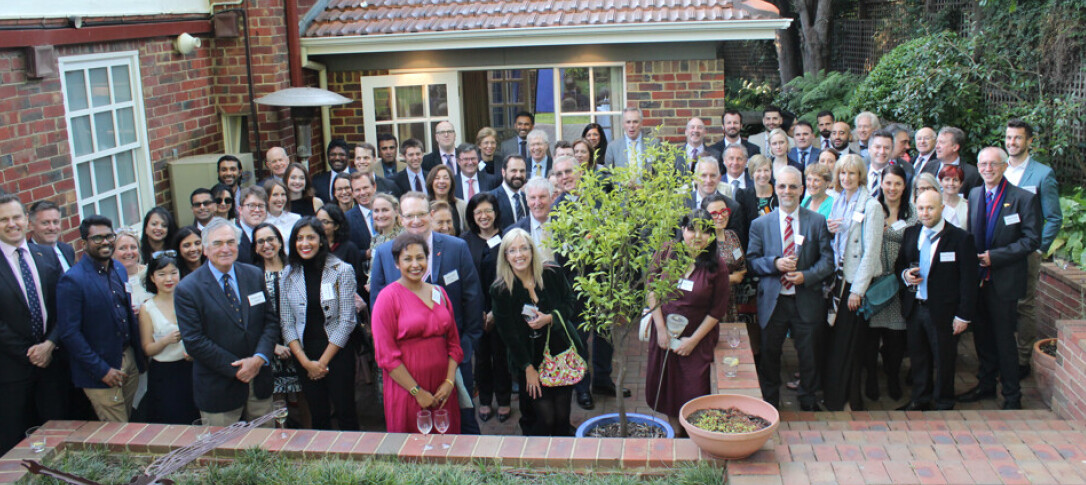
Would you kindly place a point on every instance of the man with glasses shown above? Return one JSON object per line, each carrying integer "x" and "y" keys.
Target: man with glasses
{"x": 97, "y": 326}
{"x": 470, "y": 180}
{"x": 444, "y": 148}
{"x": 451, "y": 267}
{"x": 252, "y": 211}
{"x": 230, "y": 328}
{"x": 706, "y": 183}
{"x": 203, "y": 207}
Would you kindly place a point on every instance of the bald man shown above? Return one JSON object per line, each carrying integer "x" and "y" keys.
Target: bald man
{"x": 925, "y": 148}
{"x": 275, "y": 161}
{"x": 695, "y": 143}
{"x": 444, "y": 149}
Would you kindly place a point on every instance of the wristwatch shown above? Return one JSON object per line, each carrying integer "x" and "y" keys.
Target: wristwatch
{"x": 414, "y": 390}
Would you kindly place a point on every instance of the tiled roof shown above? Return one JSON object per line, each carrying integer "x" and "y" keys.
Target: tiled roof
{"x": 374, "y": 17}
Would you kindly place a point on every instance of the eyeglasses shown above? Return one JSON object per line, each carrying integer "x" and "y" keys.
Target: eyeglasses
{"x": 267, "y": 240}
{"x": 255, "y": 207}
{"x": 480, "y": 212}
{"x": 225, "y": 200}
{"x": 418, "y": 215}
{"x": 720, "y": 214}
{"x": 445, "y": 132}
{"x": 205, "y": 203}
{"x": 169, "y": 253}
{"x": 101, "y": 238}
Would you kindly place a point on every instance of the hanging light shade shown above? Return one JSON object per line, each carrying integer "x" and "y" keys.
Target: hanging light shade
{"x": 303, "y": 103}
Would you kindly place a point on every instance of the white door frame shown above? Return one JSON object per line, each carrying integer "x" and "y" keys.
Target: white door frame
{"x": 451, "y": 79}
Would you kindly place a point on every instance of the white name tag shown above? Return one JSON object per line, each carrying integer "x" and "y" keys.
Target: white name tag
{"x": 858, "y": 216}
{"x": 327, "y": 293}
{"x": 128, "y": 288}
{"x": 947, "y": 257}
{"x": 494, "y": 241}
{"x": 798, "y": 238}
{"x": 435, "y": 295}
{"x": 452, "y": 277}
{"x": 737, "y": 253}
{"x": 1031, "y": 189}
{"x": 256, "y": 298}
{"x": 897, "y": 226}
{"x": 1011, "y": 219}
{"x": 686, "y": 285}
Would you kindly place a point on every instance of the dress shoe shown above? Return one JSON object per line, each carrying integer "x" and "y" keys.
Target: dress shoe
{"x": 1012, "y": 405}
{"x": 584, "y": 400}
{"x": 504, "y": 417}
{"x": 915, "y": 406}
{"x": 610, "y": 391}
{"x": 1024, "y": 371}
{"x": 893, "y": 387}
{"x": 810, "y": 407}
{"x": 975, "y": 394}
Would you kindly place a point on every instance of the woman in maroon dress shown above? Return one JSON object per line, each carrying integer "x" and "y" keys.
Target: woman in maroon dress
{"x": 416, "y": 342}
{"x": 674, "y": 377}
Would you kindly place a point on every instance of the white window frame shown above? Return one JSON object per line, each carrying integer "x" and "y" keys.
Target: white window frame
{"x": 454, "y": 113}
{"x": 140, "y": 148}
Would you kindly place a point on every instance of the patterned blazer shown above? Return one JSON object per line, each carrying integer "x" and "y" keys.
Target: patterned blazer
{"x": 337, "y": 300}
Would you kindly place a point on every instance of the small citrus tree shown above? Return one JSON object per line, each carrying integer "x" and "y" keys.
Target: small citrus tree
{"x": 621, "y": 219}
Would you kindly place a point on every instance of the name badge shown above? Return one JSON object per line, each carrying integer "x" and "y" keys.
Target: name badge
{"x": 529, "y": 311}
{"x": 494, "y": 241}
{"x": 128, "y": 288}
{"x": 327, "y": 293}
{"x": 435, "y": 295}
{"x": 897, "y": 226}
{"x": 737, "y": 253}
{"x": 798, "y": 238}
{"x": 1031, "y": 189}
{"x": 1011, "y": 219}
{"x": 452, "y": 277}
{"x": 686, "y": 285}
{"x": 947, "y": 257}
{"x": 857, "y": 216}
{"x": 256, "y": 298}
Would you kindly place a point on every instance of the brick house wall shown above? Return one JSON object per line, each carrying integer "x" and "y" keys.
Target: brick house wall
{"x": 669, "y": 93}
{"x": 1061, "y": 295}
{"x": 347, "y": 119}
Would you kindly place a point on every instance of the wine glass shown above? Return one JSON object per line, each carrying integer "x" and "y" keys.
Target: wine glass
{"x": 733, "y": 336}
{"x": 914, "y": 264}
{"x": 1062, "y": 258}
{"x": 201, "y": 426}
{"x": 37, "y": 440}
{"x": 675, "y": 325}
{"x": 281, "y": 413}
{"x": 117, "y": 396}
{"x": 532, "y": 332}
{"x": 425, "y": 422}
{"x": 441, "y": 424}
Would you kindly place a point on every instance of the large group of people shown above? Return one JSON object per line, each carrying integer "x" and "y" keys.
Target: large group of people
{"x": 438, "y": 268}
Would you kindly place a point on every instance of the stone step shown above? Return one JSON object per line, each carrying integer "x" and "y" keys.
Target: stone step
{"x": 927, "y": 471}
{"x": 963, "y": 415}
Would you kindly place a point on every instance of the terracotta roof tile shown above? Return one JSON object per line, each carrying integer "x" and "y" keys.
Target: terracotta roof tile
{"x": 349, "y": 17}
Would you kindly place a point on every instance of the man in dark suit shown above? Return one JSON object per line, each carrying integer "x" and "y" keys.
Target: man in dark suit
{"x": 947, "y": 145}
{"x": 825, "y": 120}
{"x": 203, "y": 204}
{"x": 229, "y": 327}
{"x": 695, "y": 146}
{"x": 452, "y": 268}
{"x": 517, "y": 145}
{"x": 413, "y": 176}
{"x": 925, "y": 149}
{"x": 539, "y": 159}
{"x": 366, "y": 162}
{"x": 706, "y": 183}
{"x": 511, "y": 201}
{"x": 735, "y": 169}
{"x": 940, "y": 302}
{"x": 45, "y": 231}
{"x": 252, "y": 211}
{"x": 1006, "y": 226}
{"x": 34, "y": 376}
{"x": 360, "y": 218}
{"x": 804, "y": 152}
{"x": 97, "y": 326}
{"x": 444, "y": 148}
{"x": 732, "y": 121}
{"x": 339, "y": 160}
{"x": 790, "y": 251}
{"x": 880, "y": 145}
{"x": 470, "y": 180}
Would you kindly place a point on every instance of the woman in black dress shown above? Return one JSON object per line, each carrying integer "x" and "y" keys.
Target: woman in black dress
{"x": 300, "y": 191}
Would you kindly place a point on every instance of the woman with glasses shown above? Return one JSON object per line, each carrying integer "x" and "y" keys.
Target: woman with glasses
{"x": 730, "y": 250}
{"x": 169, "y": 397}
{"x": 268, "y": 254}
{"x": 491, "y": 367}
{"x": 278, "y": 213}
{"x": 532, "y": 303}
{"x": 487, "y": 141}
{"x": 190, "y": 251}
{"x": 341, "y": 193}
{"x": 223, "y": 196}
{"x": 159, "y": 230}
{"x": 923, "y": 183}
{"x": 300, "y": 191}
{"x": 439, "y": 186}
{"x": 318, "y": 318}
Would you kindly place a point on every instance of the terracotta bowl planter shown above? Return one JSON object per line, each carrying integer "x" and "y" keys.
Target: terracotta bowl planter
{"x": 1043, "y": 367}
{"x": 732, "y": 446}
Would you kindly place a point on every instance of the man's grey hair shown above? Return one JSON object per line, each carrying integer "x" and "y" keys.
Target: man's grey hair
{"x": 788, "y": 169}
{"x": 633, "y": 110}
{"x": 738, "y": 146}
{"x": 538, "y": 134}
{"x": 565, "y": 159}
{"x": 998, "y": 151}
{"x": 216, "y": 224}
{"x": 539, "y": 183}
{"x": 874, "y": 119}
{"x": 708, "y": 160}
{"x": 956, "y": 133}
{"x": 895, "y": 128}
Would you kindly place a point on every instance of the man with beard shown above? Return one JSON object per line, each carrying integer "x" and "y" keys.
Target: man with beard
{"x": 511, "y": 201}
{"x": 228, "y": 169}
{"x": 340, "y": 163}
{"x": 517, "y": 145}
{"x": 97, "y": 326}
{"x": 825, "y": 121}
{"x": 732, "y": 122}
{"x": 772, "y": 118}
{"x": 386, "y": 148}
{"x": 841, "y": 139}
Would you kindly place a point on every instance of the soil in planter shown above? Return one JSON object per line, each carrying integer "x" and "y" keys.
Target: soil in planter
{"x": 730, "y": 420}
{"x": 1049, "y": 348}
{"x": 637, "y": 430}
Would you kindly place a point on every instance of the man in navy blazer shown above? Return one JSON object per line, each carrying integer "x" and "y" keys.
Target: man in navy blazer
{"x": 452, "y": 268}
{"x": 732, "y": 122}
{"x": 1006, "y": 225}
{"x": 34, "y": 374}
{"x": 230, "y": 328}
{"x": 514, "y": 174}
{"x": 467, "y": 157}
{"x": 339, "y": 160}
{"x": 97, "y": 326}
{"x": 1036, "y": 178}
{"x": 790, "y": 289}
{"x": 45, "y": 231}
{"x": 805, "y": 153}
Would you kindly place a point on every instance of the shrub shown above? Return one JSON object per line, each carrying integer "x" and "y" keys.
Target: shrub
{"x": 814, "y": 92}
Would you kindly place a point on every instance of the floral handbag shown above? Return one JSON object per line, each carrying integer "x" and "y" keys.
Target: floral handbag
{"x": 564, "y": 369}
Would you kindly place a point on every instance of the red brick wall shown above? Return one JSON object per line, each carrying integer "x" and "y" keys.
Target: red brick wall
{"x": 1061, "y": 295}
{"x": 347, "y": 120}
{"x": 1069, "y": 395}
{"x": 671, "y": 92}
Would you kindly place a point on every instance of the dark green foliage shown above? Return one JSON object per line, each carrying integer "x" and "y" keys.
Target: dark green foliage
{"x": 812, "y": 92}
{"x": 746, "y": 95}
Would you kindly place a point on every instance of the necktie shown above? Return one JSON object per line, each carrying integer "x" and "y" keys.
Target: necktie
{"x": 523, "y": 151}
{"x": 471, "y": 188}
{"x": 693, "y": 159}
{"x": 519, "y": 206}
{"x": 230, "y": 295}
{"x": 803, "y": 157}
{"x": 537, "y": 168}
{"x": 449, "y": 163}
{"x": 37, "y": 323}
{"x": 825, "y": 144}
{"x": 735, "y": 183}
{"x": 418, "y": 184}
{"x": 874, "y": 181}
{"x": 63, "y": 261}
{"x": 369, "y": 222}
{"x": 925, "y": 262}
{"x": 789, "y": 248}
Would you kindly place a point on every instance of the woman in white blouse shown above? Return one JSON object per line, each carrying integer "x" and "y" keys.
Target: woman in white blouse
{"x": 955, "y": 207}
{"x": 278, "y": 214}
{"x": 169, "y": 377}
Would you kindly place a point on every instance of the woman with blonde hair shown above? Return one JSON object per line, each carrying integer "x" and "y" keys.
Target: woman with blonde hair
{"x": 760, "y": 199}
{"x": 819, "y": 178}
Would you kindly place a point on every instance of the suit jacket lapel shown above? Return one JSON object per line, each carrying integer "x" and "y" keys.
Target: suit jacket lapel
{"x": 775, "y": 233}
{"x": 7, "y": 275}
{"x": 435, "y": 272}
{"x": 244, "y": 289}
{"x": 217, "y": 294}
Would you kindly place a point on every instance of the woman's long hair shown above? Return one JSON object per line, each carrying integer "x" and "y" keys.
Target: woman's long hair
{"x": 505, "y": 270}
{"x": 171, "y": 231}
{"x": 295, "y": 259}
{"x": 255, "y": 256}
{"x": 601, "y": 149}
{"x": 175, "y": 245}
{"x": 904, "y": 207}
{"x": 701, "y": 220}
{"x": 343, "y": 227}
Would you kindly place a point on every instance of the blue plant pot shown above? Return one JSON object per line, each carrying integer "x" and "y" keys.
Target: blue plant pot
{"x": 605, "y": 419}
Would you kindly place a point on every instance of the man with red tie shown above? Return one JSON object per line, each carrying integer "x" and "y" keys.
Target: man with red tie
{"x": 470, "y": 180}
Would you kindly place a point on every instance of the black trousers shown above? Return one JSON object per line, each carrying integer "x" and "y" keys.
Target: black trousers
{"x": 492, "y": 370}
{"x": 845, "y": 340}
{"x": 892, "y": 349}
{"x": 932, "y": 342}
{"x": 997, "y": 348}
{"x": 786, "y": 318}
{"x": 42, "y": 396}
{"x": 602, "y": 356}
{"x": 333, "y": 395}
{"x": 548, "y": 415}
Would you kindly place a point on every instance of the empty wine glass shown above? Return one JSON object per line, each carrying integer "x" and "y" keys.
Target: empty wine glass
{"x": 733, "y": 336}
{"x": 441, "y": 424}
{"x": 201, "y": 426}
{"x": 117, "y": 397}
{"x": 425, "y": 422}
{"x": 37, "y": 440}
{"x": 281, "y": 413}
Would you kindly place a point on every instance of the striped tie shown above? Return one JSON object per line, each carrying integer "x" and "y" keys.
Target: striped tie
{"x": 789, "y": 248}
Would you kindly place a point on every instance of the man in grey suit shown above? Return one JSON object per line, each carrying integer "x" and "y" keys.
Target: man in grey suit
{"x": 524, "y": 123}
{"x": 695, "y": 146}
{"x": 230, "y": 329}
{"x": 790, "y": 250}
{"x": 772, "y": 118}
{"x": 630, "y": 149}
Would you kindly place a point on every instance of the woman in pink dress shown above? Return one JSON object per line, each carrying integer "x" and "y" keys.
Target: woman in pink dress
{"x": 416, "y": 342}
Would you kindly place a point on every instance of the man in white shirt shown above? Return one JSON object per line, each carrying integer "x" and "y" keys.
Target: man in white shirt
{"x": 252, "y": 211}
{"x": 735, "y": 162}
{"x": 539, "y": 161}
{"x": 540, "y": 194}
{"x": 880, "y": 149}
{"x": 628, "y": 150}
{"x": 45, "y": 232}
{"x": 695, "y": 142}
{"x": 203, "y": 204}
{"x": 470, "y": 180}
{"x": 925, "y": 148}
{"x": 825, "y": 121}
{"x": 805, "y": 152}
{"x": 413, "y": 176}
{"x": 445, "y": 151}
